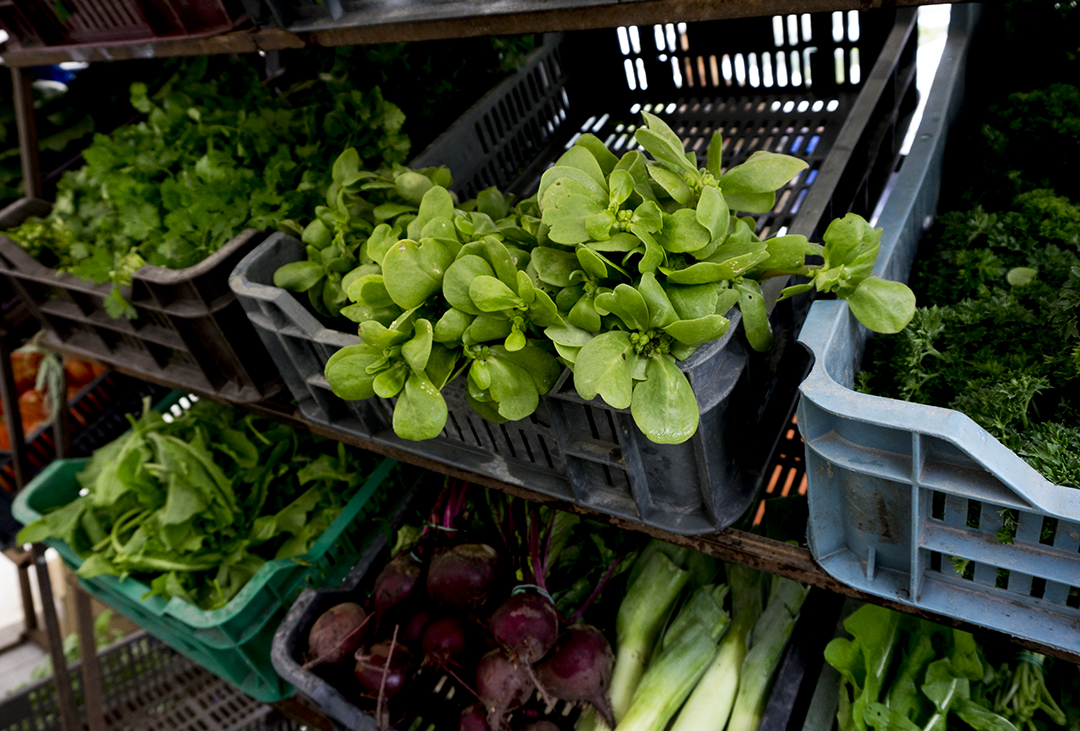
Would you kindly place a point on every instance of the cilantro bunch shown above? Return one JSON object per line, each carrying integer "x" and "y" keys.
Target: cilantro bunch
{"x": 618, "y": 268}
{"x": 216, "y": 153}
{"x": 196, "y": 506}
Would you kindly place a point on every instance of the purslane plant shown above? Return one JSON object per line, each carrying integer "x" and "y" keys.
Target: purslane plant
{"x": 618, "y": 267}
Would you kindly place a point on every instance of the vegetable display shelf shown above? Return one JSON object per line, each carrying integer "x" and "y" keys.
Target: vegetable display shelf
{"x": 189, "y": 329}
{"x": 233, "y": 642}
{"x": 898, "y": 489}
{"x": 436, "y": 697}
{"x": 146, "y": 684}
{"x": 87, "y": 22}
{"x": 96, "y": 416}
{"x": 587, "y": 452}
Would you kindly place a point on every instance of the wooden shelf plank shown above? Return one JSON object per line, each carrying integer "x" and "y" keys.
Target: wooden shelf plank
{"x": 457, "y": 19}
{"x": 731, "y": 545}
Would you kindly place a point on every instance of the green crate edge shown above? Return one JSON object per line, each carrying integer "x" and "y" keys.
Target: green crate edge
{"x": 198, "y": 633}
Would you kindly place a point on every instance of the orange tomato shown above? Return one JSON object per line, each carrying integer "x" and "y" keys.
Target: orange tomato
{"x": 78, "y": 372}
{"x": 34, "y": 409}
{"x": 24, "y": 367}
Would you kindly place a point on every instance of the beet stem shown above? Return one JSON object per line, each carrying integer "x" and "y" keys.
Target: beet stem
{"x": 461, "y": 682}
{"x": 344, "y": 640}
{"x": 385, "y": 723}
{"x": 596, "y": 591}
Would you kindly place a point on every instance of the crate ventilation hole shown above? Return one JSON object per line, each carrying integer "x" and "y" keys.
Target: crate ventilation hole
{"x": 767, "y": 69}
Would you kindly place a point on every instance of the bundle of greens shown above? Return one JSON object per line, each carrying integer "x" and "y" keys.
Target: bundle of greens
{"x": 620, "y": 267}
{"x": 1001, "y": 343}
{"x": 669, "y": 670}
{"x": 218, "y": 151}
{"x": 899, "y": 672}
{"x": 195, "y": 506}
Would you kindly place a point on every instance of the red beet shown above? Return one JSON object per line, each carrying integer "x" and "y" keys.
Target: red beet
{"x": 395, "y": 584}
{"x": 541, "y": 726}
{"x": 527, "y": 625}
{"x": 443, "y": 639}
{"x": 474, "y": 718}
{"x": 502, "y": 686}
{"x": 462, "y": 576}
{"x": 413, "y": 630}
{"x": 370, "y": 665}
{"x": 336, "y": 634}
{"x": 579, "y": 669}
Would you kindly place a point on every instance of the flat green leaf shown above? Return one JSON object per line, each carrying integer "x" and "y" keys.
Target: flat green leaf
{"x": 512, "y": 388}
{"x": 979, "y": 718}
{"x": 568, "y": 335}
{"x": 346, "y": 372}
{"x": 347, "y": 165}
{"x": 712, "y": 211}
{"x": 298, "y": 276}
{"x": 788, "y": 253}
{"x": 661, "y": 310}
{"x": 537, "y": 362}
{"x": 584, "y": 315}
{"x": 763, "y": 171}
{"x": 591, "y": 262}
{"x": 597, "y": 225}
{"x": 436, "y": 203}
{"x": 714, "y": 155}
{"x": 755, "y": 318}
{"x": 567, "y": 210}
{"x": 491, "y": 295}
{"x": 420, "y": 412}
{"x": 603, "y": 156}
{"x": 418, "y": 349}
{"x": 389, "y": 382}
{"x": 458, "y": 279}
{"x": 944, "y": 688}
{"x": 382, "y": 238}
{"x": 750, "y": 202}
{"x": 317, "y": 234}
{"x": 414, "y": 272}
{"x": 573, "y": 179}
{"x": 554, "y": 266}
{"x": 628, "y": 304}
{"x": 619, "y": 243}
{"x": 654, "y": 252}
{"x": 486, "y": 329}
{"x": 681, "y": 232}
{"x": 881, "y": 305}
{"x": 701, "y": 330}
{"x": 672, "y": 184}
{"x": 451, "y": 326}
{"x": 370, "y": 289}
{"x": 693, "y": 301}
{"x": 664, "y": 406}
{"x": 620, "y": 187}
{"x": 602, "y": 369}
{"x": 377, "y": 336}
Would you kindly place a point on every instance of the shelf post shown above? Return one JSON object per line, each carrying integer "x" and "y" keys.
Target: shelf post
{"x": 28, "y": 141}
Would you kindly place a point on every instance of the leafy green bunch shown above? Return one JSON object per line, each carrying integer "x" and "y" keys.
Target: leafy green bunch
{"x": 356, "y": 202}
{"x": 620, "y": 266}
{"x": 899, "y": 672}
{"x": 197, "y": 505}
{"x": 214, "y": 154}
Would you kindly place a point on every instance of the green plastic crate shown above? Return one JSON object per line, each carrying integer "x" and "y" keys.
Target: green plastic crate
{"x": 232, "y": 642}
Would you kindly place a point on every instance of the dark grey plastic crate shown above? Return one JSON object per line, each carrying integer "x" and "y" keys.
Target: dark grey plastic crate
{"x": 437, "y": 697}
{"x": 588, "y": 453}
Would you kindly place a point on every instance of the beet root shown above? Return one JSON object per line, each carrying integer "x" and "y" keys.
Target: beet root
{"x": 544, "y": 725}
{"x": 463, "y": 576}
{"x": 502, "y": 686}
{"x": 579, "y": 669}
{"x": 443, "y": 640}
{"x": 336, "y": 634}
{"x": 371, "y": 665}
{"x": 526, "y": 625}
{"x": 474, "y": 718}
{"x": 412, "y": 632}
{"x": 395, "y": 584}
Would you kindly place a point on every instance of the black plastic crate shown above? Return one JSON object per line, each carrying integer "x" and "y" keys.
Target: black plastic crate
{"x": 588, "y": 453}
{"x": 189, "y": 329}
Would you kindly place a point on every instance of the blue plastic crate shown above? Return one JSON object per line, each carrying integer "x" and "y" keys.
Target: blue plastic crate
{"x": 892, "y": 484}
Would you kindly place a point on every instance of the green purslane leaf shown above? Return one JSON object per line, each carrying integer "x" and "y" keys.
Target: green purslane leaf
{"x": 664, "y": 406}
{"x": 881, "y": 305}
